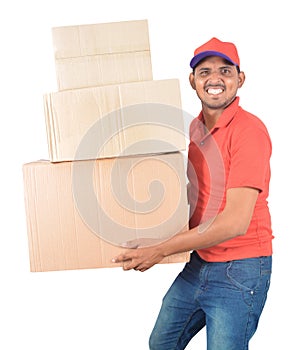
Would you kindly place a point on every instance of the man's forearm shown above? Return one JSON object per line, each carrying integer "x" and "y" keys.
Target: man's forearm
{"x": 208, "y": 234}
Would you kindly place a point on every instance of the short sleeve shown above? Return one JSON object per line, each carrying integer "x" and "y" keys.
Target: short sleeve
{"x": 250, "y": 154}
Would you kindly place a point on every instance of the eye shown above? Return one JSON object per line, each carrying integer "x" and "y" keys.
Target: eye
{"x": 226, "y": 71}
{"x": 203, "y": 73}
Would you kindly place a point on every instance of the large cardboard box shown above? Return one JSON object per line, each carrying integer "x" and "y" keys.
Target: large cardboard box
{"x": 101, "y": 54}
{"x": 79, "y": 213}
{"x": 115, "y": 120}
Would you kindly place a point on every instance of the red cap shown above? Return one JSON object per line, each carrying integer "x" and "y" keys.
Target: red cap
{"x": 215, "y": 47}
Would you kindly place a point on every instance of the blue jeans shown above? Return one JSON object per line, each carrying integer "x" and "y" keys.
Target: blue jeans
{"x": 226, "y": 297}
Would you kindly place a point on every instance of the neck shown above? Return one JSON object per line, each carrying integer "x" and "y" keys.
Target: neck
{"x": 211, "y": 116}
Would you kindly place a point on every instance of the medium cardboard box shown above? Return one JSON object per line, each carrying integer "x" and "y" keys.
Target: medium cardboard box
{"x": 115, "y": 120}
{"x": 102, "y": 54}
{"x": 80, "y": 72}
{"x": 79, "y": 213}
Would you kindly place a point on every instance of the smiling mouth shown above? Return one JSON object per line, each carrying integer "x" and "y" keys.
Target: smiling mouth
{"x": 214, "y": 91}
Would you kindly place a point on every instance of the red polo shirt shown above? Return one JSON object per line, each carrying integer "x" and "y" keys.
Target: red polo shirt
{"x": 235, "y": 153}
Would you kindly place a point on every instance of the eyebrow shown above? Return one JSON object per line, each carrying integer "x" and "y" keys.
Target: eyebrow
{"x": 225, "y": 66}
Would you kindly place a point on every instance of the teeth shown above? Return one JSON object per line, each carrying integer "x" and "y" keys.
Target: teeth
{"x": 214, "y": 91}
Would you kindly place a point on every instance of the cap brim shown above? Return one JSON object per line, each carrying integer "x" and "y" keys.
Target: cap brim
{"x": 196, "y": 59}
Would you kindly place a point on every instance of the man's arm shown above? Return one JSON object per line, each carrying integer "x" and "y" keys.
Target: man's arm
{"x": 233, "y": 221}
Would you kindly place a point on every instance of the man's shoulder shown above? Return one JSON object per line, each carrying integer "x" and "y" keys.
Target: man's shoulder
{"x": 245, "y": 119}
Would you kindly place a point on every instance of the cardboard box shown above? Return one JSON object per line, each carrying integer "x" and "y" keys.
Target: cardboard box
{"x": 115, "y": 120}
{"x": 100, "y": 38}
{"x": 86, "y": 71}
{"x": 79, "y": 213}
{"x": 102, "y": 54}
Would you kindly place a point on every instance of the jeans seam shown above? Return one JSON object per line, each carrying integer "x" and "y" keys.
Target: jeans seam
{"x": 183, "y": 330}
{"x": 248, "y": 324}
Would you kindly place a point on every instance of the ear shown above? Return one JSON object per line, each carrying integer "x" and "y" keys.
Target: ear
{"x": 192, "y": 80}
{"x": 241, "y": 79}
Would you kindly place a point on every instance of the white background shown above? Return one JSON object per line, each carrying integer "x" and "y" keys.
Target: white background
{"x": 108, "y": 308}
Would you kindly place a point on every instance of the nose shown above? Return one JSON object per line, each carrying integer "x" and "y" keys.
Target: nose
{"x": 215, "y": 76}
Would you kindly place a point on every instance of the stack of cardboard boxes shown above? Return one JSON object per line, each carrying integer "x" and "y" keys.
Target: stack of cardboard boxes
{"x": 115, "y": 136}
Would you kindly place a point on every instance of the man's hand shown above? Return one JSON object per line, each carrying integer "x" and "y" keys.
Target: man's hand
{"x": 140, "y": 259}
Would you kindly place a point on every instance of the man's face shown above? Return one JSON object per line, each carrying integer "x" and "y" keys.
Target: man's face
{"x": 216, "y": 82}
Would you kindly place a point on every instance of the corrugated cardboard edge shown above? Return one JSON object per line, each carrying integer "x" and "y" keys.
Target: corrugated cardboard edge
{"x": 50, "y": 126}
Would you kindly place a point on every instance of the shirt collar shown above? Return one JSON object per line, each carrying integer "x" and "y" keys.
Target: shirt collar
{"x": 226, "y": 116}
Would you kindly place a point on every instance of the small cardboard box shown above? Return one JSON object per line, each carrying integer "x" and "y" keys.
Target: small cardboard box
{"x": 115, "y": 120}
{"x": 79, "y": 213}
{"x": 102, "y": 54}
{"x": 100, "y": 38}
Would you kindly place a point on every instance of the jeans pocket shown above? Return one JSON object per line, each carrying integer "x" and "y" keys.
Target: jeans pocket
{"x": 244, "y": 274}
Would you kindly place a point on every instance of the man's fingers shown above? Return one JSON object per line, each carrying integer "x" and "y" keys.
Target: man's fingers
{"x": 129, "y": 265}
{"x": 120, "y": 258}
{"x": 128, "y": 262}
{"x": 125, "y": 257}
{"x": 140, "y": 259}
